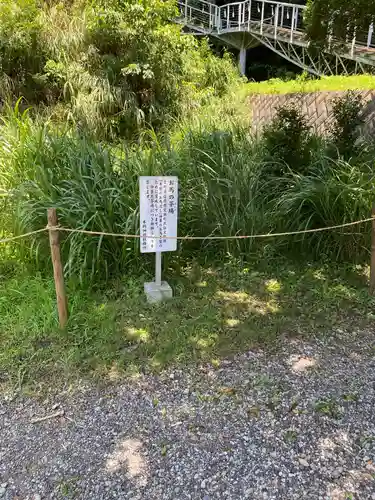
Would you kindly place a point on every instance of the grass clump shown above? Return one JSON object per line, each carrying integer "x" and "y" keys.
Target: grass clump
{"x": 231, "y": 183}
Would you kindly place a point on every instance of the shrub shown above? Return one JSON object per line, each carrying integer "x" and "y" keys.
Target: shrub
{"x": 346, "y": 124}
{"x": 288, "y": 140}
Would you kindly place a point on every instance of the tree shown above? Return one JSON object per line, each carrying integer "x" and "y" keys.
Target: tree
{"x": 339, "y": 19}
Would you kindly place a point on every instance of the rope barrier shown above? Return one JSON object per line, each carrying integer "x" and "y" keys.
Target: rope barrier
{"x": 185, "y": 238}
{"x": 13, "y": 238}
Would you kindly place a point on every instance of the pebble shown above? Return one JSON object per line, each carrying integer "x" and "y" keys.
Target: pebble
{"x": 113, "y": 444}
{"x": 303, "y": 462}
{"x": 2, "y": 491}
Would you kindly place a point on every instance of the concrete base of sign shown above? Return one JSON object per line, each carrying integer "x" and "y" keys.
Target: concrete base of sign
{"x": 157, "y": 293}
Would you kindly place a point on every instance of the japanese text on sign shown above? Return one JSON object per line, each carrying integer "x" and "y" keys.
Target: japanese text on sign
{"x": 158, "y": 213}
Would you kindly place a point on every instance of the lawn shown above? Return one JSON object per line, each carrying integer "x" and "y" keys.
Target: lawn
{"x": 325, "y": 83}
{"x": 216, "y": 312}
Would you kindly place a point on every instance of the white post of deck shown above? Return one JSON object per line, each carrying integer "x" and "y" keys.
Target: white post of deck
{"x": 242, "y": 61}
{"x": 353, "y": 42}
{"x": 292, "y": 24}
{"x": 369, "y": 36}
{"x": 262, "y": 19}
{"x": 276, "y": 20}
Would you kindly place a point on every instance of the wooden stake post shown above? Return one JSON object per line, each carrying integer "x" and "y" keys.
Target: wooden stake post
{"x": 372, "y": 265}
{"x": 58, "y": 273}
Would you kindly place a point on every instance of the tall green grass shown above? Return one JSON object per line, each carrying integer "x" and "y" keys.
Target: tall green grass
{"x": 229, "y": 186}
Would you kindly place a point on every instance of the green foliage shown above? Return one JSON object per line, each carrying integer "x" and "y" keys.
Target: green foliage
{"x": 98, "y": 71}
{"x": 347, "y": 121}
{"x": 21, "y": 50}
{"x": 288, "y": 140}
{"x": 338, "y": 19}
{"x": 142, "y": 56}
{"x": 224, "y": 175}
{"x": 332, "y": 193}
{"x": 108, "y": 68}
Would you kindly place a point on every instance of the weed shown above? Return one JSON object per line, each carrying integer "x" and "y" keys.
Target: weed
{"x": 366, "y": 441}
{"x": 263, "y": 381}
{"x": 350, "y": 397}
{"x": 68, "y": 488}
{"x": 228, "y": 391}
{"x": 348, "y": 495}
{"x": 273, "y": 403}
{"x": 224, "y": 176}
{"x": 290, "y": 436}
{"x": 215, "y": 363}
{"x": 328, "y": 407}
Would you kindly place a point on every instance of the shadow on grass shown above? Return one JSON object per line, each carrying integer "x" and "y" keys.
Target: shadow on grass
{"x": 216, "y": 312}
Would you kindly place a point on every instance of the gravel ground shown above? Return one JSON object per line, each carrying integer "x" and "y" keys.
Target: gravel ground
{"x": 298, "y": 423}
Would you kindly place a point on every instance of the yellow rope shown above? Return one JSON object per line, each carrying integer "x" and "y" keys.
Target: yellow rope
{"x": 137, "y": 236}
{"x": 8, "y": 240}
{"x": 236, "y": 237}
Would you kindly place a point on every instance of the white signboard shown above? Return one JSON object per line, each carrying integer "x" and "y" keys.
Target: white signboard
{"x": 158, "y": 213}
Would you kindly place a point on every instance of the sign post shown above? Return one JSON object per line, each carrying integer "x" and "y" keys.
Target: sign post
{"x": 158, "y": 226}
{"x": 158, "y": 259}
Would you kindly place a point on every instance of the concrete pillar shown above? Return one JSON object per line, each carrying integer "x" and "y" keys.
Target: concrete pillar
{"x": 242, "y": 61}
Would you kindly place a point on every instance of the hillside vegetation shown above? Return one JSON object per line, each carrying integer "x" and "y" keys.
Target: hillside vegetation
{"x": 105, "y": 67}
